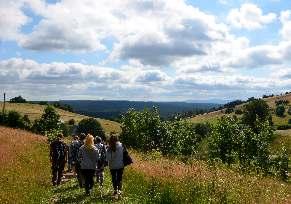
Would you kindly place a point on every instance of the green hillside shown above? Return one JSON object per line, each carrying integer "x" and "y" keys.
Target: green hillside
{"x": 34, "y": 111}
{"x": 212, "y": 117}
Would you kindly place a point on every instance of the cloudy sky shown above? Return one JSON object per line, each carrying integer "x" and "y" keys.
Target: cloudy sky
{"x": 162, "y": 50}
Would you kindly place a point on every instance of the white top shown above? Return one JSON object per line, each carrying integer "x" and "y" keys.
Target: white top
{"x": 115, "y": 159}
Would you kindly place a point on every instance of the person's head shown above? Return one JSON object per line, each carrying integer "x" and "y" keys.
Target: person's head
{"x": 59, "y": 136}
{"x": 76, "y": 137}
{"x": 89, "y": 141}
{"x": 112, "y": 142}
{"x": 98, "y": 140}
{"x": 82, "y": 136}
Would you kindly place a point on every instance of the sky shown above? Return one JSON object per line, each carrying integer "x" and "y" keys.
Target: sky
{"x": 149, "y": 50}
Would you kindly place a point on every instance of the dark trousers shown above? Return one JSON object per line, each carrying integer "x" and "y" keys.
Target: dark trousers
{"x": 80, "y": 176}
{"x": 116, "y": 175}
{"x": 57, "y": 172}
{"x": 89, "y": 181}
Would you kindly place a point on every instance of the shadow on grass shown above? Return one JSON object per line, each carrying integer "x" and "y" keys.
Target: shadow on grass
{"x": 66, "y": 188}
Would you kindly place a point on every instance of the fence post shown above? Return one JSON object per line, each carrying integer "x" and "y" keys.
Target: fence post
{"x": 3, "y": 110}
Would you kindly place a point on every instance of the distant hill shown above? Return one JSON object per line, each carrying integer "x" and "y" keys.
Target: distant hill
{"x": 215, "y": 115}
{"x": 34, "y": 111}
{"x": 112, "y": 109}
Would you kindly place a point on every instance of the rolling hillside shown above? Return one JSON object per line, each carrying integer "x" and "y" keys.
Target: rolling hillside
{"x": 34, "y": 111}
{"x": 213, "y": 116}
{"x": 25, "y": 178}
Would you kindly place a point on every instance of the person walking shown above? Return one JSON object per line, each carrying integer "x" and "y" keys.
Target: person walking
{"x": 88, "y": 157}
{"x": 114, "y": 156}
{"x": 101, "y": 162}
{"x": 78, "y": 171}
{"x": 73, "y": 154}
{"x": 58, "y": 158}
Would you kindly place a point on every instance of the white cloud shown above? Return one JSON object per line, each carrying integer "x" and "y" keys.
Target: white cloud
{"x": 249, "y": 16}
{"x": 285, "y": 19}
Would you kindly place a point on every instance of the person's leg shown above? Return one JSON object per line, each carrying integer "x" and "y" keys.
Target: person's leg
{"x": 79, "y": 175}
{"x": 119, "y": 179}
{"x": 54, "y": 174}
{"x": 86, "y": 175}
{"x": 114, "y": 179}
{"x": 91, "y": 173}
{"x": 61, "y": 168}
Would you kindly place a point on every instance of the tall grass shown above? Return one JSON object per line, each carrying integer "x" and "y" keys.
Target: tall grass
{"x": 24, "y": 167}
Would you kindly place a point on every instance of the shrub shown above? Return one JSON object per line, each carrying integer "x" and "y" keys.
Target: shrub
{"x": 238, "y": 111}
{"x": 49, "y": 121}
{"x": 232, "y": 142}
{"x": 229, "y": 110}
{"x": 142, "y": 129}
{"x": 72, "y": 122}
{"x": 14, "y": 119}
{"x": 256, "y": 111}
{"x": 3, "y": 118}
{"x": 282, "y": 102}
{"x": 280, "y": 110}
{"x": 289, "y": 110}
{"x": 202, "y": 129}
{"x": 179, "y": 138}
{"x": 91, "y": 126}
{"x": 289, "y": 121}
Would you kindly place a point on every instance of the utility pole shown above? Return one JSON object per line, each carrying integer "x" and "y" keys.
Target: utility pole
{"x": 3, "y": 110}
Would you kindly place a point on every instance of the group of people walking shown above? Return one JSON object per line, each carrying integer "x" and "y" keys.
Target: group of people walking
{"x": 87, "y": 156}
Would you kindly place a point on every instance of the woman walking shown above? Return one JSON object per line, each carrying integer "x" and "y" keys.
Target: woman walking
{"x": 114, "y": 157}
{"x": 88, "y": 157}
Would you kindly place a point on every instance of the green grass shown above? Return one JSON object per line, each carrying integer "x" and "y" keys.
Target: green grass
{"x": 34, "y": 111}
{"x": 25, "y": 175}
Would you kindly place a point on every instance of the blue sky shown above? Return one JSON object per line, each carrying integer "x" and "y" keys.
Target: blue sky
{"x": 157, "y": 50}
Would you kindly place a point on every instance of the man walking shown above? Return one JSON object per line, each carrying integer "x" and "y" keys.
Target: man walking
{"x": 58, "y": 158}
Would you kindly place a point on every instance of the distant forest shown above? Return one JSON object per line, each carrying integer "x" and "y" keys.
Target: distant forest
{"x": 112, "y": 109}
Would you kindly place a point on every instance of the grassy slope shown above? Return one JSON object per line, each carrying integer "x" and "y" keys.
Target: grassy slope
{"x": 214, "y": 116}
{"x": 34, "y": 111}
{"x": 25, "y": 178}
{"x": 24, "y": 167}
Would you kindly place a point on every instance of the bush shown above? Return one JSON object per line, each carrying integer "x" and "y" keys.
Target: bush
{"x": 289, "y": 121}
{"x": 238, "y": 111}
{"x": 91, "y": 126}
{"x": 289, "y": 110}
{"x": 280, "y": 110}
{"x": 71, "y": 122}
{"x": 229, "y": 110}
{"x": 202, "y": 129}
{"x": 14, "y": 119}
{"x": 256, "y": 111}
{"x": 3, "y": 118}
{"x": 50, "y": 120}
{"x": 233, "y": 142}
{"x": 142, "y": 129}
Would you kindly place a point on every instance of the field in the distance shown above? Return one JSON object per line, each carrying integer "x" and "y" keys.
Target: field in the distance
{"x": 34, "y": 111}
{"x": 212, "y": 117}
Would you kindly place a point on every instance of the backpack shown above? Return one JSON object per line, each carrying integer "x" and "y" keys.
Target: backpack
{"x": 58, "y": 151}
{"x": 102, "y": 154}
{"x": 127, "y": 160}
{"x": 74, "y": 150}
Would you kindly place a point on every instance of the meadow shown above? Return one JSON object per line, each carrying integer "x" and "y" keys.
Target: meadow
{"x": 25, "y": 171}
{"x": 34, "y": 111}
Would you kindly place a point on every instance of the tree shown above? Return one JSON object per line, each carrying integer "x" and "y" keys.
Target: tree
{"x": 289, "y": 110}
{"x": 49, "y": 121}
{"x": 280, "y": 110}
{"x": 254, "y": 111}
{"x": 17, "y": 99}
{"x": 91, "y": 126}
